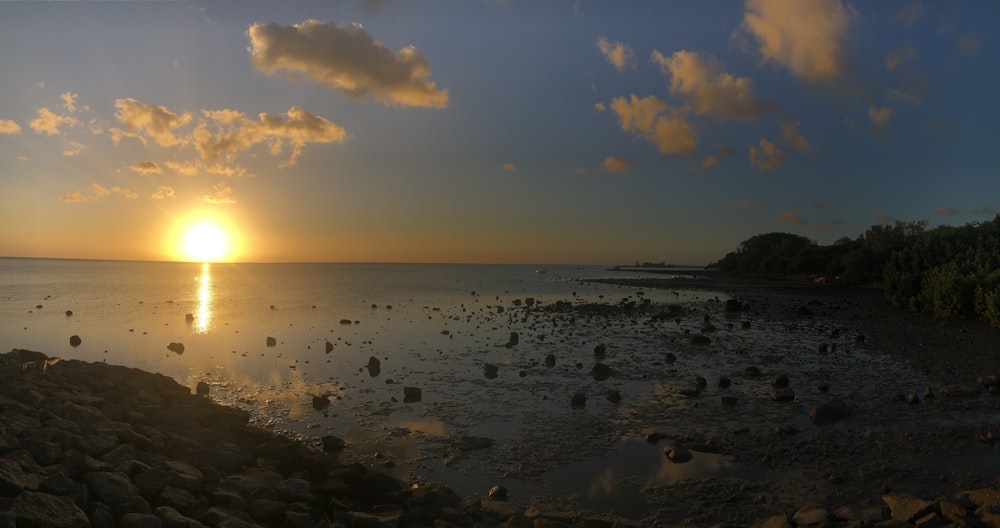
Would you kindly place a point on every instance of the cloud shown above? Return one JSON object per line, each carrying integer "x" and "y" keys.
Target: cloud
{"x": 50, "y": 122}
{"x": 988, "y": 209}
{"x": 73, "y": 148}
{"x": 793, "y": 138}
{"x": 656, "y": 122}
{"x": 897, "y": 57}
{"x": 155, "y": 121}
{"x": 600, "y": 107}
{"x": 21, "y": 158}
{"x": 146, "y": 167}
{"x": 910, "y": 14}
{"x": 509, "y": 166}
{"x": 766, "y": 156}
{"x": 967, "y": 45}
{"x": 699, "y": 80}
{"x": 789, "y": 217}
{"x": 182, "y": 168}
{"x": 617, "y": 165}
{"x": 743, "y": 206}
{"x": 233, "y": 133}
{"x": 724, "y": 150}
{"x": 99, "y": 190}
{"x": 883, "y": 219}
{"x": 73, "y": 197}
{"x": 619, "y": 55}
{"x": 880, "y": 118}
{"x": 220, "y": 194}
{"x": 163, "y": 192}
{"x": 124, "y": 192}
{"x": 347, "y": 59}
{"x": 805, "y": 37}
{"x": 69, "y": 101}
{"x": 9, "y": 127}
{"x": 945, "y": 211}
{"x": 709, "y": 161}
{"x": 581, "y": 170}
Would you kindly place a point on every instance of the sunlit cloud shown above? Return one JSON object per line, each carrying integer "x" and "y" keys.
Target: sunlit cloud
{"x": 49, "y": 123}
{"x": 220, "y": 194}
{"x": 117, "y": 134}
{"x": 617, "y": 54}
{"x": 766, "y": 156}
{"x": 21, "y": 158}
{"x": 347, "y": 59}
{"x": 163, "y": 192}
{"x": 945, "y": 211}
{"x": 39, "y": 85}
{"x": 73, "y": 148}
{"x": 897, "y": 57}
{"x": 154, "y": 121}
{"x": 73, "y": 197}
{"x": 709, "y": 161}
{"x": 967, "y": 45}
{"x": 617, "y": 165}
{"x": 600, "y": 106}
{"x": 805, "y": 37}
{"x": 125, "y": 192}
{"x": 183, "y": 168}
{"x": 880, "y": 118}
{"x": 794, "y": 139}
{"x": 789, "y": 217}
{"x": 698, "y": 79}
{"x": 9, "y": 127}
{"x": 509, "y": 166}
{"x": 233, "y": 133}
{"x": 99, "y": 190}
{"x": 228, "y": 171}
{"x": 69, "y": 101}
{"x": 655, "y": 121}
{"x": 146, "y": 167}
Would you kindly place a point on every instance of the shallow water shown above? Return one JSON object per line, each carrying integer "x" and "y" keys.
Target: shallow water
{"x": 435, "y": 327}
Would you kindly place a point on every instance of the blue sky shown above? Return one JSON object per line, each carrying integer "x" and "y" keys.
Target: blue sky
{"x": 487, "y": 131}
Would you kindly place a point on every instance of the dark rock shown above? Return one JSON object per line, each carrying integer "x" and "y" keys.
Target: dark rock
{"x": 490, "y": 371}
{"x": 733, "y": 305}
{"x": 59, "y": 483}
{"x": 699, "y": 339}
{"x": 745, "y": 325}
{"x": 729, "y": 401}
{"x": 12, "y": 479}
{"x": 32, "y": 509}
{"x": 69, "y": 313}
{"x": 830, "y": 412}
{"x": 185, "y": 476}
{"x": 601, "y": 372}
{"x": 782, "y": 394}
{"x": 139, "y": 520}
{"x": 498, "y": 493}
{"x": 412, "y": 394}
{"x": 823, "y": 348}
{"x": 74, "y": 340}
{"x": 513, "y": 339}
{"x": 111, "y": 487}
{"x": 320, "y": 402}
{"x": 176, "y": 347}
{"x": 181, "y": 500}
{"x": 614, "y": 396}
{"x": 333, "y": 444}
{"x": 578, "y": 400}
{"x": 700, "y": 381}
{"x": 677, "y": 453}
{"x": 345, "y": 321}
{"x": 690, "y": 392}
{"x": 906, "y": 508}
{"x": 150, "y": 482}
{"x": 654, "y": 438}
{"x": 329, "y": 347}
{"x": 296, "y": 490}
{"x": 374, "y": 367}
{"x": 779, "y": 380}
{"x": 550, "y": 360}
{"x": 751, "y": 372}
{"x": 379, "y": 487}
{"x": 267, "y": 511}
{"x": 271, "y": 341}
{"x": 725, "y": 382}
{"x": 670, "y": 357}
{"x": 202, "y": 389}
{"x": 600, "y": 351}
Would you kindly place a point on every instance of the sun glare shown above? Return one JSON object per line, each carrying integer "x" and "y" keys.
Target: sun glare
{"x": 206, "y": 242}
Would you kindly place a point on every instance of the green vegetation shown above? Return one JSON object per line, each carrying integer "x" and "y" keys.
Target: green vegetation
{"x": 951, "y": 272}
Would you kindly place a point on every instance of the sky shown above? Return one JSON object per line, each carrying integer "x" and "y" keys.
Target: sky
{"x": 517, "y": 131}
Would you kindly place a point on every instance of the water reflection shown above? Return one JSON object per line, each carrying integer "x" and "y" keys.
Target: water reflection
{"x": 203, "y": 317}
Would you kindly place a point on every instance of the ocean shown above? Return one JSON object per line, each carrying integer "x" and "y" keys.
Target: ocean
{"x": 269, "y": 337}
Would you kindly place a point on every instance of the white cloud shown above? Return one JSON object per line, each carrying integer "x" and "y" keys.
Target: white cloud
{"x": 49, "y": 122}
{"x": 73, "y": 148}
{"x": 99, "y": 190}
{"x": 73, "y": 197}
{"x": 699, "y": 80}
{"x": 183, "y": 168}
{"x": 125, "y": 192}
{"x": 656, "y": 122}
{"x": 69, "y": 101}
{"x": 9, "y": 127}
{"x": 766, "y": 156}
{"x": 347, "y": 59}
{"x": 617, "y": 54}
{"x": 803, "y": 36}
{"x": 220, "y": 194}
{"x": 154, "y": 121}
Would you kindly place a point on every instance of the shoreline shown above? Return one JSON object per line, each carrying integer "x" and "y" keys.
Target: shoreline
{"x": 81, "y": 419}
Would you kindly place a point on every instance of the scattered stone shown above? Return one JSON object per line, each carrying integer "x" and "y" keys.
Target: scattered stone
{"x": 779, "y": 380}
{"x": 202, "y": 389}
{"x": 490, "y": 371}
{"x": 320, "y": 402}
{"x": 271, "y": 341}
{"x": 670, "y": 357}
{"x": 578, "y": 400}
{"x": 189, "y": 317}
{"x": 333, "y": 444}
{"x": 345, "y": 321}
{"x": 677, "y": 453}
{"x": 724, "y": 382}
{"x": 811, "y": 516}
{"x": 600, "y": 351}
{"x": 782, "y": 394}
{"x": 177, "y": 348}
{"x": 374, "y": 366}
{"x": 329, "y": 347}
{"x": 699, "y": 339}
{"x": 614, "y": 396}
{"x": 69, "y": 313}
{"x": 601, "y": 372}
{"x": 498, "y": 493}
{"x": 550, "y": 360}
{"x": 74, "y": 341}
{"x": 412, "y": 394}
{"x": 513, "y": 339}
{"x": 700, "y": 381}
{"x": 906, "y": 508}
{"x": 830, "y": 412}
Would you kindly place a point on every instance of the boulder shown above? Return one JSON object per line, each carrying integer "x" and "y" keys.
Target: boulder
{"x": 177, "y": 348}
{"x": 513, "y": 339}
{"x": 699, "y": 339}
{"x": 333, "y": 444}
{"x": 412, "y": 394}
{"x": 677, "y": 453}
{"x": 202, "y": 389}
{"x": 906, "y": 508}
{"x": 600, "y": 352}
{"x": 329, "y": 347}
{"x": 782, "y": 394}
{"x": 578, "y": 400}
{"x": 724, "y": 382}
{"x": 74, "y": 340}
{"x": 271, "y": 341}
{"x": 498, "y": 493}
{"x": 601, "y": 372}
{"x": 320, "y": 402}
{"x": 110, "y": 487}
{"x": 42, "y": 509}
{"x": 490, "y": 371}
{"x": 779, "y": 380}
{"x": 374, "y": 367}
{"x": 670, "y": 357}
{"x": 550, "y": 360}
{"x": 830, "y": 412}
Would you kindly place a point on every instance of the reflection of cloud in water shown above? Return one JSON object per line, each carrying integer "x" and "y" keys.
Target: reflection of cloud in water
{"x": 605, "y": 484}
{"x": 702, "y": 465}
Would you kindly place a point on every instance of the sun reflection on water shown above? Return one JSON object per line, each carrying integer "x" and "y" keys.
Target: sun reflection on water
{"x": 203, "y": 317}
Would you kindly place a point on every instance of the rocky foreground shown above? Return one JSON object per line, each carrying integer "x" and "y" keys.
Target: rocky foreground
{"x": 89, "y": 444}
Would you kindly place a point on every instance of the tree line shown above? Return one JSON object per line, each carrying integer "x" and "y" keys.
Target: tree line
{"x": 947, "y": 271}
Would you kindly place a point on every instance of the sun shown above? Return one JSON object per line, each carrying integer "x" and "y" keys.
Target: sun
{"x": 205, "y": 242}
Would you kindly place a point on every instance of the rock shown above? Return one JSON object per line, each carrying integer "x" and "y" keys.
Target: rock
{"x": 150, "y": 482}
{"x": 601, "y": 372}
{"x": 498, "y": 493}
{"x": 412, "y": 394}
{"x": 189, "y": 317}
{"x": 906, "y": 508}
{"x": 513, "y": 339}
{"x": 823, "y": 348}
{"x": 345, "y": 321}
{"x": 333, "y": 444}
{"x": 827, "y": 413}
{"x": 374, "y": 367}
{"x": 600, "y": 351}
{"x": 139, "y": 520}
{"x": 690, "y": 392}
{"x": 733, "y": 305}
{"x": 655, "y": 437}
{"x": 779, "y": 380}
{"x": 578, "y": 400}
{"x": 490, "y": 371}
{"x": 700, "y": 381}
{"x": 271, "y": 341}
{"x": 13, "y": 480}
{"x": 669, "y": 357}
{"x": 699, "y": 339}
{"x": 42, "y": 509}
{"x": 550, "y": 360}
{"x": 202, "y": 389}
{"x": 69, "y": 313}
{"x": 724, "y": 382}
{"x": 782, "y": 394}
{"x": 320, "y": 402}
{"x": 751, "y": 372}
{"x": 380, "y": 487}
{"x": 329, "y": 347}
{"x": 110, "y": 487}
{"x": 961, "y": 391}
{"x": 176, "y": 347}
{"x": 811, "y": 516}
{"x": 729, "y": 401}
{"x": 614, "y": 396}
{"x": 677, "y": 453}
{"x": 74, "y": 340}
